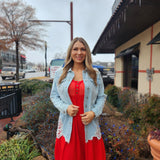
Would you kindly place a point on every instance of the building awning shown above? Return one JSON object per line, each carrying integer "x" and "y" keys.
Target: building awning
{"x": 130, "y": 50}
{"x": 155, "y": 40}
{"x": 129, "y": 19}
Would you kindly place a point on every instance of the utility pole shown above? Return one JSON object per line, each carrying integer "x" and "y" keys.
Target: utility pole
{"x": 45, "y": 59}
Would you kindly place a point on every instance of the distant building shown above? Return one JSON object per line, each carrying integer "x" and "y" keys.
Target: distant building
{"x": 133, "y": 34}
{"x": 8, "y": 59}
{"x": 105, "y": 64}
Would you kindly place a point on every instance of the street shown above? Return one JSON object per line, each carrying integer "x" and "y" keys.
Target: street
{"x": 27, "y": 75}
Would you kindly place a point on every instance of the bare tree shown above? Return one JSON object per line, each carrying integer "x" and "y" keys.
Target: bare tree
{"x": 60, "y": 55}
{"x": 2, "y": 45}
{"x": 16, "y": 29}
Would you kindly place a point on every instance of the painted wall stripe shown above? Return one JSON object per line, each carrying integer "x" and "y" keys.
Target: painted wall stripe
{"x": 119, "y": 71}
{"x": 151, "y": 58}
{"x": 141, "y": 71}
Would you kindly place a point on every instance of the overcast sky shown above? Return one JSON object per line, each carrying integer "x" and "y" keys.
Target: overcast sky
{"x": 89, "y": 20}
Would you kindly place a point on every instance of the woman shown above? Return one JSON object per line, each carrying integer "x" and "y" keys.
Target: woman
{"x": 78, "y": 93}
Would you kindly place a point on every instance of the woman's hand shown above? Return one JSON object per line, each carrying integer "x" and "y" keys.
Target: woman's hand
{"x": 72, "y": 110}
{"x": 87, "y": 117}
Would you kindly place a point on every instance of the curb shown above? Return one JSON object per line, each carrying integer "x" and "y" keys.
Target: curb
{"x": 48, "y": 79}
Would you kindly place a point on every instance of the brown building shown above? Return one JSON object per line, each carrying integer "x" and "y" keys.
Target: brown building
{"x": 133, "y": 35}
{"x": 8, "y": 59}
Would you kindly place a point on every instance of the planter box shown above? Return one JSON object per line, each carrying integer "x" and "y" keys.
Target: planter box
{"x": 155, "y": 148}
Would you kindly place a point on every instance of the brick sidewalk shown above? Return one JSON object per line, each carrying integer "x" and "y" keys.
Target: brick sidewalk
{"x": 5, "y": 121}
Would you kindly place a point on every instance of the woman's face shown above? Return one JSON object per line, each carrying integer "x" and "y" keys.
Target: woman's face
{"x": 78, "y": 52}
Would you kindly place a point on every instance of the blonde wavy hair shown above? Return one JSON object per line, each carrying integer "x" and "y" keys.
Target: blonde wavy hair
{"x": 87, "y": 62}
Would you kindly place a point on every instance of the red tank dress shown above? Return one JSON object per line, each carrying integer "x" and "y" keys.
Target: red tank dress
{"x": 77, "y": 149}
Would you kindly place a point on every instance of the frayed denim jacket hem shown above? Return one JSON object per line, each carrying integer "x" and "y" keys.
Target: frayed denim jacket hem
{"x": 94, "y": 99}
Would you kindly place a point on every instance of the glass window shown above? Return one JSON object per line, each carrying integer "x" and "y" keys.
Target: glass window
{"x": 58, "y": 62}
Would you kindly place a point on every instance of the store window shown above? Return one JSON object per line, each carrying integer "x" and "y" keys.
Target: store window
{"x": 130, "y": 66}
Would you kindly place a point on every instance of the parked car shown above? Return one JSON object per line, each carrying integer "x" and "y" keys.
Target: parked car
{"x": 10, "y": 72}
{"x": 100, "y": 68}
{"x": 107, "y": 74}
{"x": 29, "y": 70}
{"x": 108, "y": 77}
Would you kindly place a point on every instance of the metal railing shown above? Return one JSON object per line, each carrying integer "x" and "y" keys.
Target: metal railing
{"x": 10, "y": 100}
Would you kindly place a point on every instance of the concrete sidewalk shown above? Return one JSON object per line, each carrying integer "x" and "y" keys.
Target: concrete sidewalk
{"x": 48, "y": 79}
{"x": 40, "y": 78}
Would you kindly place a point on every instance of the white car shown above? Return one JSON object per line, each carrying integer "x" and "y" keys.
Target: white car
{"x": 29, "y": 70}
{"x": 10, "y": 72}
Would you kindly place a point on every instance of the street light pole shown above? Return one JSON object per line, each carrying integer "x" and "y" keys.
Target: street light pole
{"x": 66, "y": 21}
{"x": 45, "y": 59}
{"x": 71, "y": 19}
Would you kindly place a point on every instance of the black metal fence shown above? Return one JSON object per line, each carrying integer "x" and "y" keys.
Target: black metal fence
{"x": 10, "y": 100}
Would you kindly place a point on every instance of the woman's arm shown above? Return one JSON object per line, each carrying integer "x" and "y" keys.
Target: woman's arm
{"x": 97, "y": 108}
{"x": 55, "y": 97}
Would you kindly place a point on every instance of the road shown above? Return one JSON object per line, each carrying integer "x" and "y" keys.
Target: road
{"x": 27, "y": 75}
{"x": 108, "y": 79}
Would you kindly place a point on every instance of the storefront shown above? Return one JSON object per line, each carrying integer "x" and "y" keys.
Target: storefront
{"x": 133, "y": 35}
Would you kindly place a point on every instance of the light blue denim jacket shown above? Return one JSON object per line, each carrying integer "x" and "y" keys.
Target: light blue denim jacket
{"x": 94, "y": 99}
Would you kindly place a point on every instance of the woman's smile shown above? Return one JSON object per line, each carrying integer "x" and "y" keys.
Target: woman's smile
{"x": 78, "y": 52}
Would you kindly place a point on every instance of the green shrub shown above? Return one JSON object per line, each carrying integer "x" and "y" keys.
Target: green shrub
{"x": 18, "y": 149}
{"x": 38, "y": 108}
{"x": 112, "y": 95}
{"x": 119, "y": 140}
{"x": 117, "y": 97}
{"x": 124, "y": 99}
{"x": 31, "y": 87}
{"x": 145, "y": 113}
{"x": 42, "y": 118}
{"x": 133, "y": 115}
{"x": 151, "y": 111}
